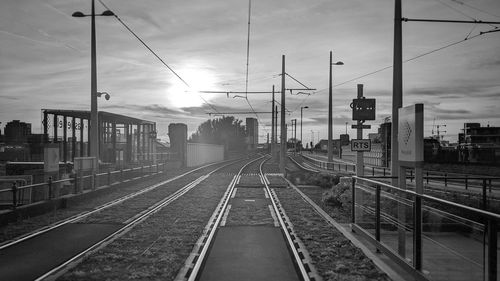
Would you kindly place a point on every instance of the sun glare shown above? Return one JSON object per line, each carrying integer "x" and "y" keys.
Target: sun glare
{"x": 179, "y": 95}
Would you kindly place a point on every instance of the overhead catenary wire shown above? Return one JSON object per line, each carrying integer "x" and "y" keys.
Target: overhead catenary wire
{"x": 418, "y": 56}
{"x": 155, "y": 54}
{"x": 474, "y": 8}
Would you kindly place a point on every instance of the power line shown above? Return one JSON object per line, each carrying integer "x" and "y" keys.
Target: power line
{"x": 248, "y": 43}
{"x": 306, "y": 87}
{"x": 155, "y": 54}
{"x": 419, "y": 56}
{"x": 474, "y": 8}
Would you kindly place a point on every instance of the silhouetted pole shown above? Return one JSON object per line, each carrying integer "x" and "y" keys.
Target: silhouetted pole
{"x": 94, "y": 136}
{"x": 272, "y": 126}
{"x": 276, "y": 123}
{"x": 330, "y": 118}
{"x": 397, "y": 90}
{"x": 283, "y": 125}
{"x": 301, "y": 140}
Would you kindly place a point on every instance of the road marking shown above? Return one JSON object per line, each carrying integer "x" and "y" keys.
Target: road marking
{"x": 234, "y": 192}
{"x": 273, "y": 214}
{"x": 224, "y": 218}
{"x": 249, "y": 200}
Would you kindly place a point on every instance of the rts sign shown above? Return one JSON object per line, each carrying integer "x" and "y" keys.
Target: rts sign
{"x": 361, "y": 145}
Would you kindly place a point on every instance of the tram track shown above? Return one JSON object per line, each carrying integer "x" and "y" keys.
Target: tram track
{"x": 197, "y": 263}
{"x": 120, "y": 225}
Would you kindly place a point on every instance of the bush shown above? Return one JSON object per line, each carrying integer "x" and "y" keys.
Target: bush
{"x": 339, "y": 195}
{"x": 322, "y": 180}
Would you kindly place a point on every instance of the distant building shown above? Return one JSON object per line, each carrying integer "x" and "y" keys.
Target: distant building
{"x": 476, "y": 134}
{"x": 479, "y": 144}
{"x": 17, "y": 132}
{"x": 252, "y": 127}
{"x": 344, "y": 139}
{"x": 374, "y": 137}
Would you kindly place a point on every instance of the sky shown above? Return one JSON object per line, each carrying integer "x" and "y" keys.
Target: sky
{"x": 45, "y": 60}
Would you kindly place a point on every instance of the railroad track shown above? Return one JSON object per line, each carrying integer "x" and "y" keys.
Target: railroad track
{"x": 199, "y": 265}
{"x": 149, "y": 204}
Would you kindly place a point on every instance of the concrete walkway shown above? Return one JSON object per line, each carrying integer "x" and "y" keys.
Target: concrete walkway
{"x": 249, "y": 246}
{"x": 34, "y": 257}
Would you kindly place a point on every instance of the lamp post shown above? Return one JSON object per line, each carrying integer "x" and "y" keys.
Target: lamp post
{"x": 94, "y": 136}
{"x": 330, "y": 118}
{"x": 301, "y": 141}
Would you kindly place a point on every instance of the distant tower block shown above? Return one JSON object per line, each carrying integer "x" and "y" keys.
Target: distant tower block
{"x": 177, "y": 132}
{"x": 252, "y": 133}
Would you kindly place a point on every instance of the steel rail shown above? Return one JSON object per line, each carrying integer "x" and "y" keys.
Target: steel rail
{"x": 220, "y": 210}
{"x": 104, "y": 206}
{"x": 55, "y": 272}
{"x": 279, "y": 214}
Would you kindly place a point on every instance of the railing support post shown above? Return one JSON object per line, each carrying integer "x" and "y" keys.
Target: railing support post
{"x": 485, "y": 201}
{"x": 446, "y": 179}
{"x": 353, "y": 205}
{"x": 417, "y": 234}
{"x": 492, "y": 251}
{"x": 377, "y": 213}
{"x": 466, "y": 182}
{"x": 14, "y": 195}
{"x": 49, "y": 183}
{"x": 109, "y": 177}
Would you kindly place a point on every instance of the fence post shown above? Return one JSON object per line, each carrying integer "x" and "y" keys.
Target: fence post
{"x": 75, "y": 182}
{"x": 353, "y": 205}
{"x": 489, "y": 184}
{"x": 417, "y": 236}
{"x": 377, "y": 213}
{"x": 485, "y": 202}
{"x": 121, "y": 174}
{"x": 373, "y": 171}
{"x": 109, "y": 177}
{"x": 466, "y": 182}
{"x": 427, "y": 177}
{"x": 50, "y": 187}
{"x": 446, "y": 179}
{"x": 492, "y": 251}
{"x": 94, "y": 179}
{"x": 14, "y": 195}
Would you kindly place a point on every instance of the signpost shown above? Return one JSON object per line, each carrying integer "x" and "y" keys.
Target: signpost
{"x": 362, "y": 109}
{"x": 361, "y": 145}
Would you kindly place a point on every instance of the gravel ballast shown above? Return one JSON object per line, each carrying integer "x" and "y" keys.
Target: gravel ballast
{"x": 157, "y": 248}
{"x": 333, "y": 255}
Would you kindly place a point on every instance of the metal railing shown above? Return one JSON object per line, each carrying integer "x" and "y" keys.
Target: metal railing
{"x": 449, "y": 241}
{"x": 77, "y": 183}
{"x": 445, "y": 179}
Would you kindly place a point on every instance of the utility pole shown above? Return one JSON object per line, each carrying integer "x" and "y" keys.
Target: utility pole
{"x": 397, "y": 90}
{"x": 272, "y": 126}
{"x": 330, "y": 121}
{"x": 283, "y": 124}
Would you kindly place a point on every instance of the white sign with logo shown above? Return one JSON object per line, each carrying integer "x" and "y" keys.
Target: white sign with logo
{"x": 411, "y": 135}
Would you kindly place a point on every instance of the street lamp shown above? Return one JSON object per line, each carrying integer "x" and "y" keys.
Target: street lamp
{"x": 94, "y": 137}
{"x": 330, "y": 118}
{"x": 301, "y": 141}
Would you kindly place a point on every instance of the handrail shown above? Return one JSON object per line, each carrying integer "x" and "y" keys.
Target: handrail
{"x": 480, "y": 212}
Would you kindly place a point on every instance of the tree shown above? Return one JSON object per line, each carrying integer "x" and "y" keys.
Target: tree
{"x": 226, "y": 131}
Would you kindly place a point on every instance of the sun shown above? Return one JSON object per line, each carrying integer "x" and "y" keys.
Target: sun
{"x": 199, "y": 78}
